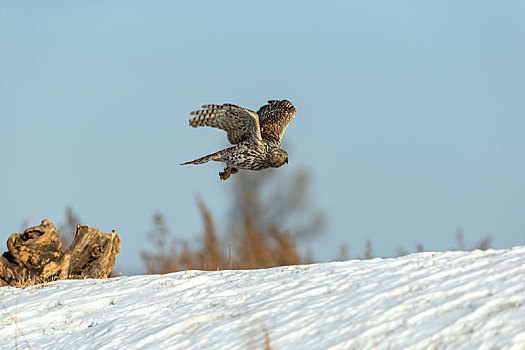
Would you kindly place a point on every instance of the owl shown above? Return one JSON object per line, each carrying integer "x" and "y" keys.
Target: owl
{"x": 256, "y": 136}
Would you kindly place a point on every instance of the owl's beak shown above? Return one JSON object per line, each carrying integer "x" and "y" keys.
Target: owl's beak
{"x": 286, "y": 161}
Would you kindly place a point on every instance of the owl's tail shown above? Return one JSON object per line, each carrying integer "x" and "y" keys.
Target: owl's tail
{"x": 205, "y": 159}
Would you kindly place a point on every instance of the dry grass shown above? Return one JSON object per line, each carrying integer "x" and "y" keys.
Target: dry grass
{"x": 251, "y": 249}
{"x": 30, "y": 282}
{"x": 23, "y": 281}
{"x": 269, "y": 218}
{"x": 484, "y": 244}
{"x": 257, "y": 237}
{"x": 14, "y": 319}
{"x": 267, "y": 345}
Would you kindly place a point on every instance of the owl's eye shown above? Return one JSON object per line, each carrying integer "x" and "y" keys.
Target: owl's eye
{"x": 279, "y": 156}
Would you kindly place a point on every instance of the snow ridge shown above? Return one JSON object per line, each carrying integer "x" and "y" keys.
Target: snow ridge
{"x": 450, "y": 300}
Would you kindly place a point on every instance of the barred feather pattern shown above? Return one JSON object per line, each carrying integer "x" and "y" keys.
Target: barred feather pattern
{"x": 239, "y": 123}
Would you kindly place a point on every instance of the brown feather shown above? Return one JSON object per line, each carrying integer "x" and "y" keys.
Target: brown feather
{"x": 274, "y": 119}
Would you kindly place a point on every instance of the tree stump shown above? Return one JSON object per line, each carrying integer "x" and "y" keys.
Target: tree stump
{"x": 35, "y": 256}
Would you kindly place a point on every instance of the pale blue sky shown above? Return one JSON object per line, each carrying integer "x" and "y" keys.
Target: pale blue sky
{"x": 411, "y": 114}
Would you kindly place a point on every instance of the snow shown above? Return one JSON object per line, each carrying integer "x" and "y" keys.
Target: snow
{"x": 449, "y": 300}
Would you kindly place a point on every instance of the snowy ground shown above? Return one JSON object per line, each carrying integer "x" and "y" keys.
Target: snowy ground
{"x": 451, "y": 300}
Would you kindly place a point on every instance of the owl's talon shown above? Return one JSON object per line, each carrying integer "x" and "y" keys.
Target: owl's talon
{"x": 225, "y": 175}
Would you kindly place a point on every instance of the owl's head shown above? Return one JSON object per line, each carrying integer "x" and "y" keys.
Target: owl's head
{"x": 278, "y": 157}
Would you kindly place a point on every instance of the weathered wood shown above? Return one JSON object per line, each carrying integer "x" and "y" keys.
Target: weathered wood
{"x": 36, "y": 255}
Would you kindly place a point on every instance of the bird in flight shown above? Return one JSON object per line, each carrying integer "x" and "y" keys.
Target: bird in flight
{"x": 256, "y": 136}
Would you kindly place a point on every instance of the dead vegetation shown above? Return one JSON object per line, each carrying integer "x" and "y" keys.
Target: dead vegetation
{"x": 14, "y": 319}
{"x": 266, "y": 224}
{"x": 483, "y": 244}
{"x": 268, "y": 221}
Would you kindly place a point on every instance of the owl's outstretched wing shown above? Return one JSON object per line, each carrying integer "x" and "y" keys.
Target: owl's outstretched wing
{"x": 274, "y": 118}
{"x": 240, "y": 123}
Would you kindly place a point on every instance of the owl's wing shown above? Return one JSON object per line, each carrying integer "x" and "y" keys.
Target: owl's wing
{"x": 239, "y": 123}
{"x": 274, "y": 118}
